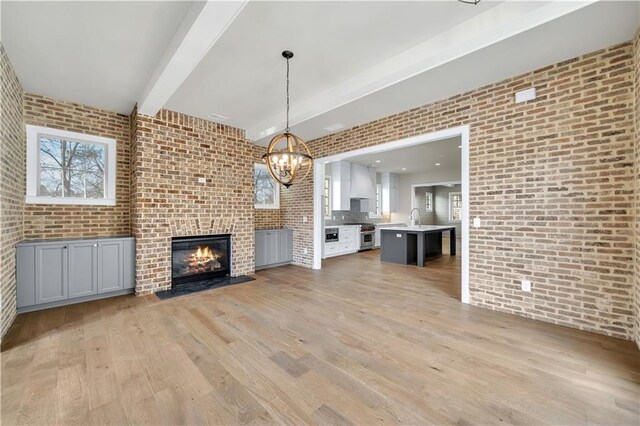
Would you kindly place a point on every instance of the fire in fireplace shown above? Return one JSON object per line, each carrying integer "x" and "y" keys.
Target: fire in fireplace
{"x": 200, "y": 258}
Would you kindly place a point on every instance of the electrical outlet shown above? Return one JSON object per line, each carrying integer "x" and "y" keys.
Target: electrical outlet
{"x": 304, "y": 219}
{"x": 333, "y": 218}
{"x": 526, "y": 285}
{"x": 476, "y": 222}
{"x": 202, "y": 180}
{"x": 342, "y": 217}
{"x": 306, "y": 251}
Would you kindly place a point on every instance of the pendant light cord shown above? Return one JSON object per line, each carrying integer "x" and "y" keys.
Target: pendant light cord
{"x": 286, "y": 129}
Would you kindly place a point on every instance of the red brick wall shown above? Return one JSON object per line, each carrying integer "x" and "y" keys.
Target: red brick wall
{"x": 552, "y": 179}
{"x": 70, "y": 221}
{"x": 169, "y": 153}
{"x": 636, "y": 63}
{"x": 12, "y": 186}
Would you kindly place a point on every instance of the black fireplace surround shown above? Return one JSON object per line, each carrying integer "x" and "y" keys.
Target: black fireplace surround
{"x": 200, "y": 258}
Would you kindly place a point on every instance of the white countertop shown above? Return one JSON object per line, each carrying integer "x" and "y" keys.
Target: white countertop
{"x": 423, "y": 228}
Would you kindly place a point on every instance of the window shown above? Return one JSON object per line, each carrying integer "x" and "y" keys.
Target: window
{"x": 327, "y": 197}
{"x": 428, "y": 203}
{"x": 378, "y": 210}
{"x": 267, "y": 190}
{"x": 455, "y": 206}
{"x": 70, "y": 168}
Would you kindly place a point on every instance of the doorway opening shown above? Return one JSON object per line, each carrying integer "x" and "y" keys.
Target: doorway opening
{"x": 374, "y": 201}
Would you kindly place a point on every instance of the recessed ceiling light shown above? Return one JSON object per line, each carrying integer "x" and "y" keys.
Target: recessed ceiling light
{"x": 219, "y": 117}
{"x": 377, "y": 161}
{"x": 334, "y": 127}
{"x": 437, "y": 164}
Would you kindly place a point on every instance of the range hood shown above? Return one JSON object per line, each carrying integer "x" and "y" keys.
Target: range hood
{"x": 362, "y": 182}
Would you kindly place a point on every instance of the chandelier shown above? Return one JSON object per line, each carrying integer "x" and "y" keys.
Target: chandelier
{"x": 288, "y": 158}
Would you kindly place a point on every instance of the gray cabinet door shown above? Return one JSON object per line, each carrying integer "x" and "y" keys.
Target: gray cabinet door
{"x": 261, "y": 249}
{"x": 286, "y": 246}
{"x": 83, "y": 274}
{"x": 110, "y": 266}
{"x": 273, "y": 247}
{"x": 51, "y": 273}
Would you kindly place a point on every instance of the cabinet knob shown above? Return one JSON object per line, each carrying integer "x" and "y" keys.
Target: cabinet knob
{"x": 64, "y": 247}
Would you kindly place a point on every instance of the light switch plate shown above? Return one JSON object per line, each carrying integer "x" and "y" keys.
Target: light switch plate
{"x": 398, "y": 235}
{"x": 202, "y": 180}
{"x": 526, "y": 285}
{"x": 476, "y": 222}
{"x": 304, "y": 219}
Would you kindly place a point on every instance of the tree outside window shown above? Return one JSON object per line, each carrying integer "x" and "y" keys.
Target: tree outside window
{"x": 266, "y": 191}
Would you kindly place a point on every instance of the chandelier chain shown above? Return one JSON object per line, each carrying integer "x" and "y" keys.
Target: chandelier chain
{"x": 286, "y": 129}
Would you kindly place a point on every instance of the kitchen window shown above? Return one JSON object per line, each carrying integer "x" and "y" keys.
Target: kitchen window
{"x": 327, "y": 197}
{"x": 455, "y": 206}
{"x": 378, "y": 209}
{"x": 266, "y": 189}
{"x": 70, "y": 168}
{"x": 428, "y": 203}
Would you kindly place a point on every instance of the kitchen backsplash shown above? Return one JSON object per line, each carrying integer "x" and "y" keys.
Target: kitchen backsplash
{"x": 353, "y": 216}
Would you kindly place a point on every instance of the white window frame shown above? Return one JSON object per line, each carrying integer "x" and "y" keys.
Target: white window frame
{"x": 33, "y": 167}
{"x": 451, "y": 194}
{"x": 276, "y": 204}
{"x": 378, "y": 213}
{"x": 330, "y": 200}
{"x": 428, "y": 196}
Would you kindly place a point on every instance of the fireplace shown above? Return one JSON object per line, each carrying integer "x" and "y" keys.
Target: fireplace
{"x": 200, "y": 258}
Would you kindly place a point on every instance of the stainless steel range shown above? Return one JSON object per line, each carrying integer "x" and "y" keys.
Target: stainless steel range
{"x": 367, "y": 235}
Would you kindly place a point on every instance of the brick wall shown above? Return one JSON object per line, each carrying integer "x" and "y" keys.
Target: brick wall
{"x": 12, "y": 186}
{"x": 70, "y": 221}
{"x": 552, "y": 179}
{"x": 170, "y": 152}
{"x": 266, "y": 218}
{"x": 636, "y": 75}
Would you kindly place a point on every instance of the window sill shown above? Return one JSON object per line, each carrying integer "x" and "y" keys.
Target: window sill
{"x": 29, "y": 199}
{"x": 266, "y": 207}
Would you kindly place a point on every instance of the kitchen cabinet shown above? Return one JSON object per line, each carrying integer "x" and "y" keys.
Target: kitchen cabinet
{"x": 60, "y": 272}
{"x": 348, "y": 241}
{"x": 379, "y": 226}
{"x": 389, "y": 183}
{"x": 341, "y": 185}
{"x": 274, "y": 247}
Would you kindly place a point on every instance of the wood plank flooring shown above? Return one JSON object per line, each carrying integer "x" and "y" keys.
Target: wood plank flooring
{"x": 355, "y": 343}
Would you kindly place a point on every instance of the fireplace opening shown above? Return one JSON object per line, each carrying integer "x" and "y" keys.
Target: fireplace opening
{"x": 200, "y": 258}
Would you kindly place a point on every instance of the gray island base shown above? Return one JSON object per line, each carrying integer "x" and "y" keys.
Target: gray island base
{"x": 406, "y": 245}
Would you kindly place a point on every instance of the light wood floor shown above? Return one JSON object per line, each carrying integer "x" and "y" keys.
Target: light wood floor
{"x": 356, "y": 343}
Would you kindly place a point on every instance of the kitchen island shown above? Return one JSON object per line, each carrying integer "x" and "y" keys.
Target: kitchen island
{"x": 410, "y": 244}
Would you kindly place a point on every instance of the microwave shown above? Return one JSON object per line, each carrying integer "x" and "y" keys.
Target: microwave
{"x": 331, "y": 235}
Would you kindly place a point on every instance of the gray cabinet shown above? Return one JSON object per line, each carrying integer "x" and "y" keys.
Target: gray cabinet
{"x": 274, "y": 247}
{"x": 261, "y": 249}
{"x": 110, "y": 268}
{"x": 54, "y": 273}
{"x": 51, "y": 273}
{"x": 83, "y": 276}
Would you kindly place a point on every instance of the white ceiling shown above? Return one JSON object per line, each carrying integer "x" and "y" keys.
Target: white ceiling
{"x": 243, "y": 76}
{"x": 96, "y": 53}
{"x": 415, "y": 159}
{"x": 354, "y": 61}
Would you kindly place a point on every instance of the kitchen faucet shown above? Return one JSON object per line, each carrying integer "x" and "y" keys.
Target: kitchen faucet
{"x": 413, "y": 222}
